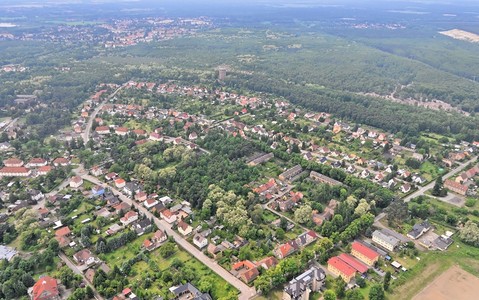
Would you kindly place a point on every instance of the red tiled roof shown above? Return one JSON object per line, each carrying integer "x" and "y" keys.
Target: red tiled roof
{"x": 45, "y": 288}
{"x": 45, "y": 169}
{"x": 13, "y": 161}
{"x": 250, "y": 275}
{"x": 37, "y": 161}
{"x": 244, "y": 264}
{"x": 147, "y": 243}
{"x": 354, "y": 263}
{"x": 126, "y": 291}
{"x": 102, "y": 128}
{"x": 343, "y": 267}
{"x": 268, "y": 262}
{"x": 182, "y": 225}
{"x": 455, "y": 185}
{"x": 12, "y": 170}
{"x": 63, "y": 231}
{"x": 364, "y": 250}
{"x": 167, "y": 213}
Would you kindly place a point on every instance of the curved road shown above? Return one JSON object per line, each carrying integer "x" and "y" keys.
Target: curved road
{"x": 87, "y": 133}
{"x": 246, "y": 292}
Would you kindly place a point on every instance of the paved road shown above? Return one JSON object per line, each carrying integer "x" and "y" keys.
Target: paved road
{"x": 423, "y": 189}
{"x": 75, "y": 270}
{"x": 87, "y": 133}
{"x": 246, "y": 292}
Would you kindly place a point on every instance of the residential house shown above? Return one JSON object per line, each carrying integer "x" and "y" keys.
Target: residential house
{"x": 455, "y": 187}
{"x": 159, "y": 236}
{"x": 84, "y": 257}
{"x": 385, "y": 240}
{"x": 15, "y": 172}
{"x": 13, "y": 162}
{"x": 323, "y": 179}
{"x": 142, "y": 226}
{"x": 129, "y": 218}
{"x": 141, "y": 196}
{"x": 339, "y": 268}
{"x": 61, "y": 162}
{"x": 302, "y": 286}
{"x": 200, "y": 241}
{"x": 306, "y": 238}
{"x": 111, "y": 176}
{"x": 36, "y": 195}
{"x": 36, "y": 163}
{"x": 405, "y": 188}
{"x": 246, "y": 270}
{"x": 214, "y": 250}
{"x": 43, "y": 170}
{"x": 168, "y": 216}
{"x": 364, "y": 253}
{"x": 267, "y": 262}
{"x": 290, "y": 173}
{"x": 64, "y": 231}
{"x": 97, "y": 190}
{"x": 96, "y": 171}
{"x": 155, "y": 137}
{"x": 327, "y": 214}
{"x": 131, "y": 188}
{"x": 419, "y": 229}
{"x": 188, "y": 291}
{"x": 261, "y": 159}
{"x": 76, "y": 182}
{"x": 102, "y": 130}
{"x": 286, "y": 249}
{"x": 150, "y": 203}
{"x": 46, "y": 288}
{"x": 121, "y": 131}
{"x": 184, "y": 228}
{"x": 120, "y": 183}
{"x": 354, "y": 263}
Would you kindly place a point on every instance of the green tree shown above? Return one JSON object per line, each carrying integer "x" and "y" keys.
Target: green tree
{"x": 469, "y": 233}
{"x": 329, "y": 295}
{"x": 303, "y": 214}
{"x": 387, "y": 280}
{"x": 376, "y": 292}
{"x": 167, "y": 250}
{"x": 438, "y": 189}
{"x": 353, "y": 295}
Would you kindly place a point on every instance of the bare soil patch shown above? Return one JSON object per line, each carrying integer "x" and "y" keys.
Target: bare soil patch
{"x": 461, "y": 35}
{"x": 455, "y": 284}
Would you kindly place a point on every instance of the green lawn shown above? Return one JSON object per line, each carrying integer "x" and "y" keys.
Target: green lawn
{"x": 429, "y": 168}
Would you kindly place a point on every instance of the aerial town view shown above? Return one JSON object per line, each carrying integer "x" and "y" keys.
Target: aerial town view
{"x": 207, "y": 149}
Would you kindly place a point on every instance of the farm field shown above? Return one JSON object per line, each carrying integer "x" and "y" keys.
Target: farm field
{"x": 455, "y": 283}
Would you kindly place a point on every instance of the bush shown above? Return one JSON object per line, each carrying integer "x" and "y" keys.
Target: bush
{"x": 470, "y": 202}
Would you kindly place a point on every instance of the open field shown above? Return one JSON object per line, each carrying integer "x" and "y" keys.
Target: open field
{"x": 461, "y": 35}
{"x": 431, "y": 266}
{"x": 455, "y": 283}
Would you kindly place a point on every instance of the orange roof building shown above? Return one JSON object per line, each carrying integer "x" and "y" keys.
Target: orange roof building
{"x": 340, "y": 268}
{"x": 46, "y": 288}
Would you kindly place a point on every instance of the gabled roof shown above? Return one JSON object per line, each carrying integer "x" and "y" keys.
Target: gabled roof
{"x": 354, "y": 263}
{"x": 364, "y": 250}
{"x": 63, "y": 231}
{"x": 45, "y": 287}
{"x": 340, "y": 265}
